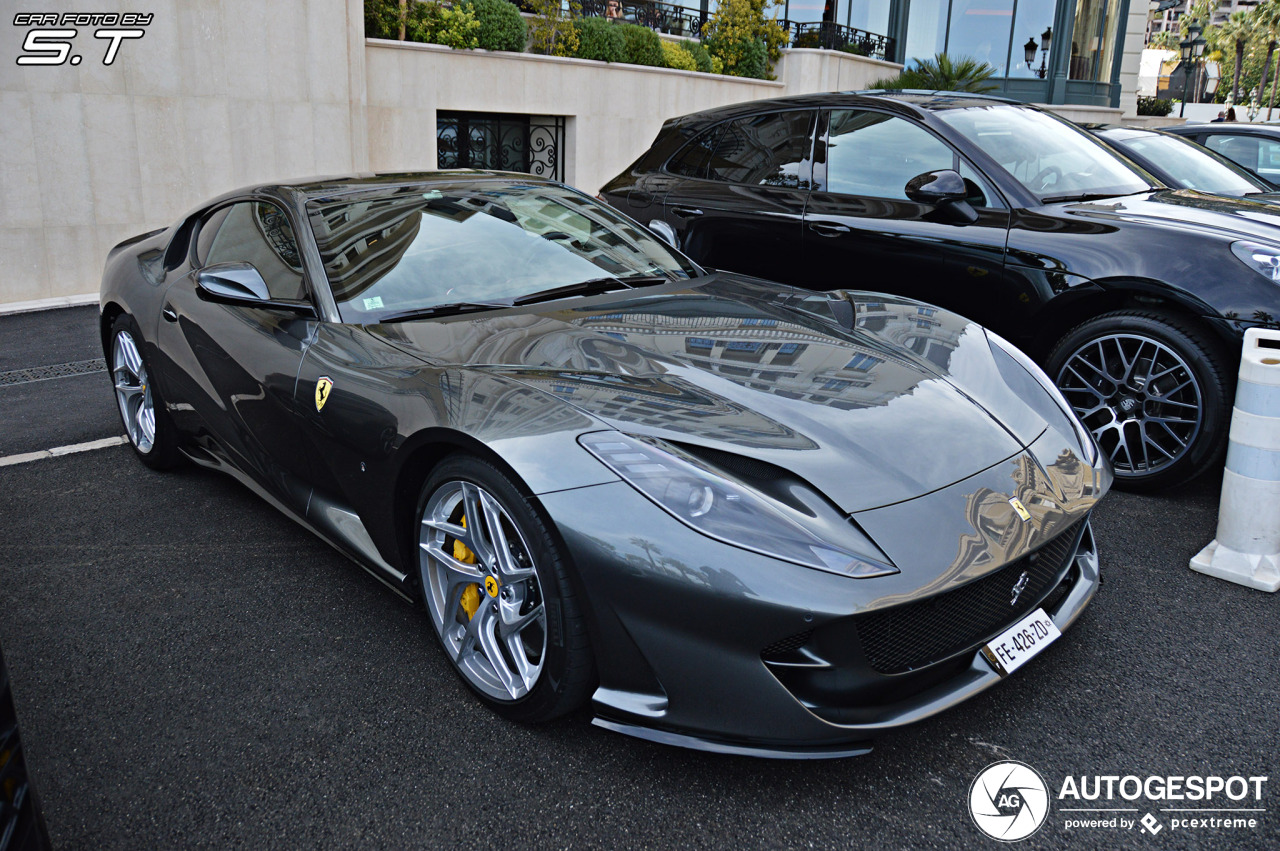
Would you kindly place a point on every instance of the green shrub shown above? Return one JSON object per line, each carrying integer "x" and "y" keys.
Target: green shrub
{"x": 551, "y": 32}
{"x": 501, "y": 27}
{"x": 737, "y": 33}
{"x": 699, "y": 54}
{"x": 436, "y": 23}
{"x": 677, "y": 57}
{"x": 382, "y": 18}
{"x": 942, "y": 73}
{"x": 1154, "y": 106}
{"x": 598, "y": 39}
{"x": 642, "y": 45}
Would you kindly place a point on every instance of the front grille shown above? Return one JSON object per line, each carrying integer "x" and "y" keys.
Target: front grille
{"x": 786, "y": 645}
{"x": 910, "y": 636}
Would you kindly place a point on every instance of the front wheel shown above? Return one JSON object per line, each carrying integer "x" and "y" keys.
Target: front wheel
{"x": 498, "y": 593}
{"x": 142, "y": 411}
{"x": 1152, "y": 388}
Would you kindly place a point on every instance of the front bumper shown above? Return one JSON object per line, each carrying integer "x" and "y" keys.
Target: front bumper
{"x": 708, "y": 646}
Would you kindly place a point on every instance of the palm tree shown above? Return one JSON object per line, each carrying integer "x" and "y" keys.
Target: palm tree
{"x": 1237, "y": 30}
{"x": 1266, "y": 17}
{"x": 942, "y": 73}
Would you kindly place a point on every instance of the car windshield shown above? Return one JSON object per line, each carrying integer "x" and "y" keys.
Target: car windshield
{"x": 1192, "y": 166}
{"x": 476, "y": 243}
{"x": 1052, "y": 158}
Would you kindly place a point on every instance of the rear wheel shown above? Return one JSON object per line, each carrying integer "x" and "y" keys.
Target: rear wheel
{"x": 1152, "y": 388}
{"x": 498, "y": 594}
{"x": 142, "y": 411}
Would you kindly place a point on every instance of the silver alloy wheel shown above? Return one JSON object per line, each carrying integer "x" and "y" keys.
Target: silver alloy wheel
{"x": 133, "y": 392}
{"x": 501, "y": 645}
{"x": 1138, "y": 397}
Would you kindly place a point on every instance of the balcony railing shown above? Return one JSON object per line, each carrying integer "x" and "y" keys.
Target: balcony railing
{"x": 660, "y": 17}
{"x": 829, "y": 36}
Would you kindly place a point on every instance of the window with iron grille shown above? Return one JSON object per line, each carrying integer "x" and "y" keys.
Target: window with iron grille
{"x": 528, "y": 143}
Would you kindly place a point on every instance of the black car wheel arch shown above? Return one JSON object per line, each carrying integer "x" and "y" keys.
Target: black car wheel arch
{"x": 1157, "y": 365}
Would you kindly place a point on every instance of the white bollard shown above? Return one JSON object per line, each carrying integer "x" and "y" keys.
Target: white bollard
{"x": 1247, "y": 549}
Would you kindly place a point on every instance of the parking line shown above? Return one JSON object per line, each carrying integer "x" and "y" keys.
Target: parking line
{"x": 89, "y": 446}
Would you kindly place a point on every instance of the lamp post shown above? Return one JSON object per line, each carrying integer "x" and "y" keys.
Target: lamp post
{"x": 1029, "y": 51}
{"x": 1191, "y": 48}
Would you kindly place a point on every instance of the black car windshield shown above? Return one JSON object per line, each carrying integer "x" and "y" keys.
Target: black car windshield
{"x": 1052, "y": 158}
{"x": 476, "y": 243}
{"x": 1191, "y": 166}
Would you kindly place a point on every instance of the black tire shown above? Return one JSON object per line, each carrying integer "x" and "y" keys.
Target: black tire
{"x": 566, "y": 672}
{"x": 1161, "y": 369}
{"x": 153, "y": 437}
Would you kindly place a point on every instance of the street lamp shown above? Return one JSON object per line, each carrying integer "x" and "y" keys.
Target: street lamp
{"x": 1191, "y": 48}
{"x": 1029, "y": 51}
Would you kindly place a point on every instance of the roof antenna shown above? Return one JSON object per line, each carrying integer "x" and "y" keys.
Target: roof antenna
{"x": 841, "y": 308}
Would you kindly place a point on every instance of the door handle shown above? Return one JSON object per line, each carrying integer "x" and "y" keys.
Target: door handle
{"x": 686, "y": 212}
{"x": 169, "y": 313}
{"x": 827, "y": 228}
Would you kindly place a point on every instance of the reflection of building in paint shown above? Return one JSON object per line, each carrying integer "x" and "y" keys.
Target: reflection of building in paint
{"x": 626, "y": 364}
{"x": 1056, "y": 496}
{"x": 498, "y": 408}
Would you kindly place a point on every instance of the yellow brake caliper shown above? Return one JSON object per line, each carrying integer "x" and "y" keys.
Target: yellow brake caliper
{"x": 470, "y": 594}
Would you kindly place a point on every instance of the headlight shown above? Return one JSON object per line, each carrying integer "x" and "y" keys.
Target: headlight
{"x": 1046, "y": 383}
{"x": 1263, "y": 259}
{"x": 723, "y": 509}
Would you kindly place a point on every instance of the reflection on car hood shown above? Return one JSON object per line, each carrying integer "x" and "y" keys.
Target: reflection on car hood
{"x": 1256, "y": 217}
{"x": 908, "y": 400}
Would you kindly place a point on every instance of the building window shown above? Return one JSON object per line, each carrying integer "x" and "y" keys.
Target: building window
{"x": 528, "y": 143}
{"x": 1093, "y": 40}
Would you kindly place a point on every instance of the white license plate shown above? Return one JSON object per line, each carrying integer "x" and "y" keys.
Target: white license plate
{"x": 1011, "y": 648}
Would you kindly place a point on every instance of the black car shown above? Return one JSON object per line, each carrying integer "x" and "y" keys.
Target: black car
{"x": 1134, "y": 296}
{"x": 1182, "y": 164}
{"x": 729, "y": 514}
{"x": 1256, "y": 147}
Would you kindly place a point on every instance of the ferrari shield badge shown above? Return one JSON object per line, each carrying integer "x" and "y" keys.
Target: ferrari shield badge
{"x": 323, "y": 386}
{"x": 491, "y": 585}
{"x": 1017, "y": 506}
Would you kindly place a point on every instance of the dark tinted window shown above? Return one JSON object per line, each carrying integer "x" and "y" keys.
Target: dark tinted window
{"x": 875, "y": 155}
{"x": 259, "y": 233}
{"x": 208, "y": 228}
{"x": 1254, "y": 153}
{"x": 770, "y": 150}
{"x": 691, "y": 161}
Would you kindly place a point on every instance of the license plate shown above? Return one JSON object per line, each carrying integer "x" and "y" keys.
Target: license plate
{"x": 1010, "y": 649}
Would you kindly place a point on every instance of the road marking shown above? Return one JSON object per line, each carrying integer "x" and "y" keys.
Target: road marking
{"x": 89, "y": 446}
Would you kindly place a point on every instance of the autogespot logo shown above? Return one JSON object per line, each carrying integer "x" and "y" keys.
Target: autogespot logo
{"x": 1008, "y": 801}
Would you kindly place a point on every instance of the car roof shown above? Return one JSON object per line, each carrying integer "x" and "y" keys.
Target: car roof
{"x": 332, "y": 186}
{"x": 1227, "y": 128}
{"x": 910, "y": 101}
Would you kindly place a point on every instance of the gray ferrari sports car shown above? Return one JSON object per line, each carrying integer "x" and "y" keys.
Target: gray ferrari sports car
{"x": 726, "y": 513}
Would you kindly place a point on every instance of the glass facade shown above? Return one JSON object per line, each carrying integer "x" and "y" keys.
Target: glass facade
{"x": 997, "y": 32}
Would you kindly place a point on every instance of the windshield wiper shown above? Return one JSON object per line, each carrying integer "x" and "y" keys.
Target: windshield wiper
{"x": 1082, "y": 196}
{"x": 590, "y": 287}
{"x": 447, "y": 309}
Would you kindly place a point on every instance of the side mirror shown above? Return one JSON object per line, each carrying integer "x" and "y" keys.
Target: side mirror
{"x": 946, "y": 190}
{"x": 937, "y": 187}
{"x": 237, "y": 283}
{"x": 665, "y": 232}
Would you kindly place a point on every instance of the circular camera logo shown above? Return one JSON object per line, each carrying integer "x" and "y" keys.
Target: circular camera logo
{"x": 1008, "y": 801}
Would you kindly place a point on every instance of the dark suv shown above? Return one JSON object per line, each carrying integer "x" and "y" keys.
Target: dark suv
{"x": 1133, "y": 296}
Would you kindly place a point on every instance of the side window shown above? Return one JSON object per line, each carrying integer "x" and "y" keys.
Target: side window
{"x": 691, "y": 161}
{"x": 1239, "y": 149}
{"x": 204, "y": 236}
{"x": 259, "y": 233}
{"x": 875, "y": 155}
{"x": 768, "y": 150}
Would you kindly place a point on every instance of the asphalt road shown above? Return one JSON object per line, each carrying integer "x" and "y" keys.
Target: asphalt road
{"x": 194, "y": 670}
